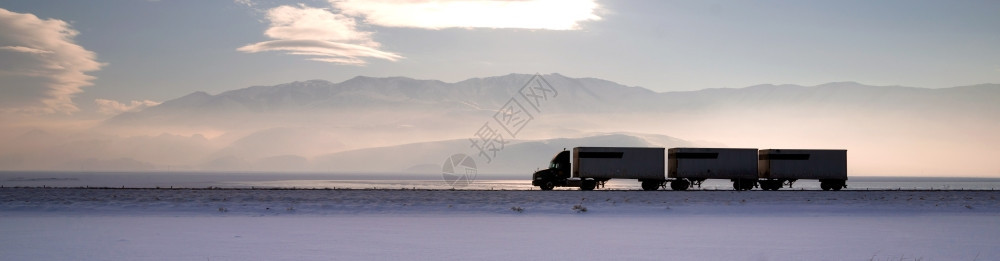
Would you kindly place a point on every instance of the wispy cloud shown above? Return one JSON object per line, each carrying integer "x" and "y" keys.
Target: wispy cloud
{"x": 248, "y": 3}
{"x": 319, "y": 33}
{"x": 438, "y": 14}
{"x": 112, "y": 107}
{"x": 24, "y": 49}
{"x": 253, "y": 5}
{"x": 42, "y": 68}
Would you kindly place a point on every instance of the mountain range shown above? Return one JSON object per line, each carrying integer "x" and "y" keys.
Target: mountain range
{"x": 400, "y": 124}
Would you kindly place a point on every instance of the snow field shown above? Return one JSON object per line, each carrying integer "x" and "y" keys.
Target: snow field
{"x": 150, "y": 224}
{"x": 324, "y": 202}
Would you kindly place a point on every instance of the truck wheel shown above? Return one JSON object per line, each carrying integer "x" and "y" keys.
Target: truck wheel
{"x": 588, "y": 185}
{"x": 825, "y": 185}
{"x": 748, "y": 185}
{"x": 680, "y": 184}
{"x": 547, "y": 186}
{"x": 650, "y": 185}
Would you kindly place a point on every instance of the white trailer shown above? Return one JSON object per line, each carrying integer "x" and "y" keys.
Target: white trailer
{"x": 687, "y": 166}
{"x": 776, "y": 167}
{"x": 618, "y": 163}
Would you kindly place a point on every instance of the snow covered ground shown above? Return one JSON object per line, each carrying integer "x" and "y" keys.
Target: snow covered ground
{"x": 227, "y": 224}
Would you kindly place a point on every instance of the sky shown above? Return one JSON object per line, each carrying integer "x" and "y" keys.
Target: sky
{"x": 104, "y": 57}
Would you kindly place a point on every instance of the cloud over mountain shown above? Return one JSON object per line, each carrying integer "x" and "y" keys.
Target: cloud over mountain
{"x": 43, "y": 67}
{"x": 323, "y": 35}
{"x": 111, "y": 107}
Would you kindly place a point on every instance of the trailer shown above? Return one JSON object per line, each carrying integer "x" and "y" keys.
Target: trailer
{"x": 590, "y": 167}
{"x": 779, "y": 167}
{"x": 692, "y": 166}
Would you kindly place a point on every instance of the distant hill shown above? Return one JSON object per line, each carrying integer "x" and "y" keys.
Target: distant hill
{"x": 478, "y": 97}
{"x": 362, "y": 94}
{"x": 517, "y": 158}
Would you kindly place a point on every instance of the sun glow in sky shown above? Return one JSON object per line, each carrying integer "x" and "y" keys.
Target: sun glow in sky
{"x": 334, "y": 36}
{"x": 534, "y": 14}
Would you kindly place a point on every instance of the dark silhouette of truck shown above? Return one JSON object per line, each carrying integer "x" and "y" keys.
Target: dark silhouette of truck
{"x": 771, "y": 169}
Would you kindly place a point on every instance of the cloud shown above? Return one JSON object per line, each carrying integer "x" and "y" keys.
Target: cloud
{"x": 439, "y": 14}
{"x": 325, "y": 51}
{"x": 248, "y": 3}
{"x": 253, "y": 5}
{"x": 111, "y": 107}
{"x": 317, "y": 32}
{"x": 24, "y": 49}
{"x": 42, "y": 68}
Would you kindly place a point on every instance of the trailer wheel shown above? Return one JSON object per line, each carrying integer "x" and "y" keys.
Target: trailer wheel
{"x": 680, "y": 184}
{"x": 588, "y": 185}
{"x": 837, "y": 186}
{"x": 547, "y": 186}
{"x": 740, "y": 184}
{"x": 650, "y": 185}
{"x": 770, "y": 184}
{"x": 825, "y": 185}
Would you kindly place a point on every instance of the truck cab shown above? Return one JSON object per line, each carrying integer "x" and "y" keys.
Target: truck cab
{"x": 589, "y": 168}
{"x": 558, "y": 171}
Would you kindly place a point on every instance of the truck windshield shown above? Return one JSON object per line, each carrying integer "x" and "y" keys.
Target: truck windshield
{"x": 554, "y": 165}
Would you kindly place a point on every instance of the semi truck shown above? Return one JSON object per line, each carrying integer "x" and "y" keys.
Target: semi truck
{"x": 591, "y": 167}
